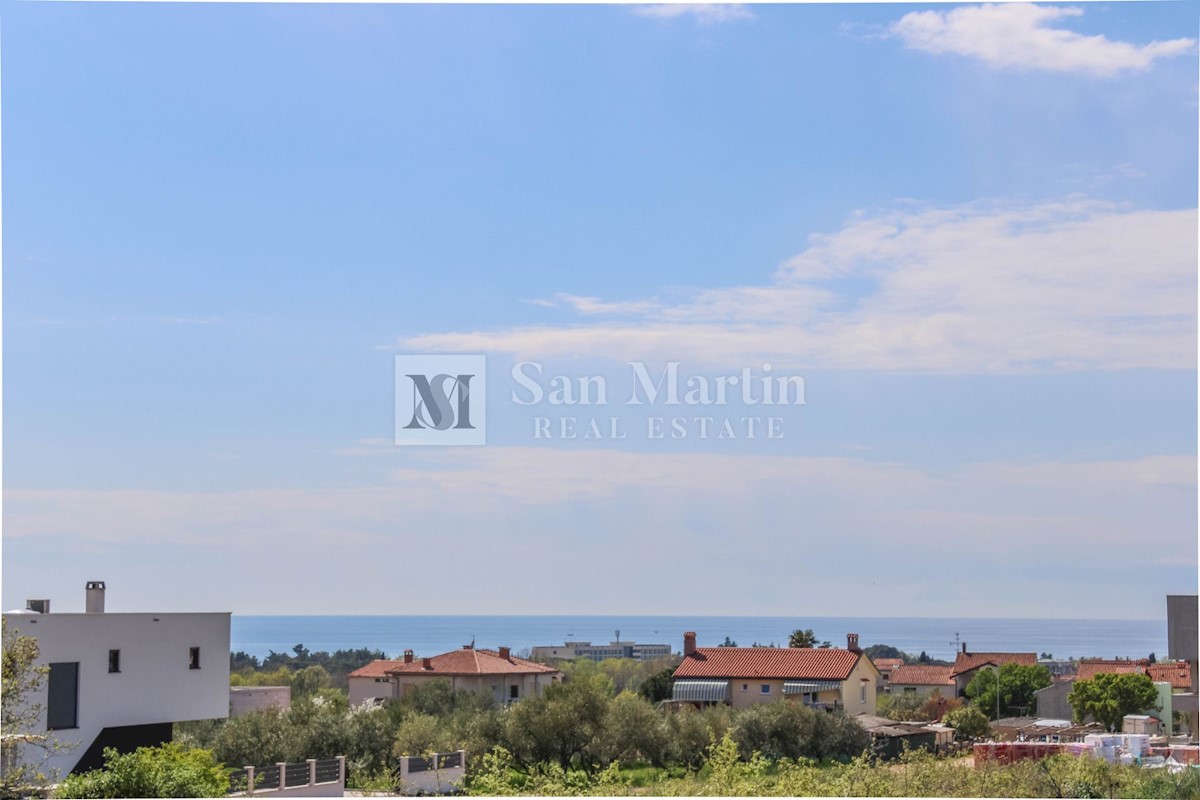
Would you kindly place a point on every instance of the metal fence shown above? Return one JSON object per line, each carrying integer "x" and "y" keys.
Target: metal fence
{"x": 280, "y": 777}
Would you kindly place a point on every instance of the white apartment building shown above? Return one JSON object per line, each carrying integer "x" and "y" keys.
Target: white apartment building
{"x": 121, "y": 679}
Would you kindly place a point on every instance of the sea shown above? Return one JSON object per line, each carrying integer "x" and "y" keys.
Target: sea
{"x": 940, "y": 638}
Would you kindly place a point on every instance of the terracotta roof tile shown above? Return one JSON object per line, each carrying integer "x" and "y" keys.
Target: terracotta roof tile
{"x": 1176, "y": 673}
{"x": 1091, "y": 667}
{"x": 884, "y": 664}
{"x": 469, "y": 661}
{"x": 965, "y": 662}
{"x": 921, "y": 675}
{"x": 376, "y": 669}
{"x": 787, "y": 663}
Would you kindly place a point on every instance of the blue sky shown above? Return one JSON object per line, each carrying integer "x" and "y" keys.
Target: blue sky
{"x": 971, "y": 229}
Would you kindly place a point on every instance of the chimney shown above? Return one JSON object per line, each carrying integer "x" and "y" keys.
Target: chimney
{"x": 504, "y": 653}
{"x": 95, "y": 597}
{"x": 852, "y": 643}
{"x": 964, "y": 647}
{"x": 689, "y": 643}
{"x": 408, "y": 656}
{"x": 426, "y": 663}
{"x": 38, "y": 606}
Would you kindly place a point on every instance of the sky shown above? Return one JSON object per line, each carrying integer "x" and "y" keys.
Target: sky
{"x": 971, "y": 231}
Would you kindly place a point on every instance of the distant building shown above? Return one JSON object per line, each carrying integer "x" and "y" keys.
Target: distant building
{"x": 496, "y": 672}
{"x": 1181, "y": 646}
{"x": 599, "y": 652}
{"x": 886, "y": 665}
{"x": 826, "y": 677}
{"x": 122, "y": 679}
{"x": 921, "y": 679}
{"x": 967, "y": 664}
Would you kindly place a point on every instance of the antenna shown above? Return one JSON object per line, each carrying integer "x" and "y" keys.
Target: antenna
{"x": 956, "y": 641}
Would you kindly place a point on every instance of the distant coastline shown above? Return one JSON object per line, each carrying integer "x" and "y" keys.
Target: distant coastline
{"x": 428, "y": 634}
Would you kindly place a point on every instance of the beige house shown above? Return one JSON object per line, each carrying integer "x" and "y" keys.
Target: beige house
{"x": 921, "y": 679}
{"x": 496, "y": 672}
{"x": 967, "y": 664}
{"x": 824, "y": 677}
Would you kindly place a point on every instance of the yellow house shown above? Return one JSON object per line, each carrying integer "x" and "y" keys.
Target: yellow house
{"x": 823, "y": 677}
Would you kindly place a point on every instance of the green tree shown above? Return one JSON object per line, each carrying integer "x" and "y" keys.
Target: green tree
{"x": 558, "y": 726}
{"x": 309, "y": 680}
{"x": 1018, "y": 682}
{"x": 802, "y": 638}
{"x": 968, "y": 722}
{"x": 728, "y": 643}
{"x": 1108, "y": 698}
{"x": 166, "y": 771}
{"x": 902, "y": 707}
{"x": 658, "y": 686}
{"x": 19, "y": 718}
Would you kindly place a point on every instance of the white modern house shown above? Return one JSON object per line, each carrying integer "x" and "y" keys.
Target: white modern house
{"x": 121, "y": 679}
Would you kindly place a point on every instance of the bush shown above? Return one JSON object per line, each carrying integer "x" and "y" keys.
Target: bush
{"x": 968, "y": 722}
{"x": 166, "y": 771}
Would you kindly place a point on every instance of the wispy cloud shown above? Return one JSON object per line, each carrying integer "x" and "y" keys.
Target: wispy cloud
{"x": 702, "y": 13}
{"x": 1073, "y": 284}
{"x": 596, "y": 507}
{"x": 1020, "y": 36}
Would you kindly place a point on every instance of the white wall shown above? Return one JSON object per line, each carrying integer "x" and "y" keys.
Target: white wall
{"x": 155, "y": 684}
{"x": 244, "y": 699}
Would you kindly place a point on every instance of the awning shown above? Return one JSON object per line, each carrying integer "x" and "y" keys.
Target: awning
{"x": 802, "y": 687}
{"x": 701, "y": 691}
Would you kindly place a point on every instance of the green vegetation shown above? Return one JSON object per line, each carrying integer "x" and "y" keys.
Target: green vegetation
{"x": 726, "y": 772}
{"x": 336, "y": 666}
{"x": 968, "y": 723}
{"x": 19, "y": 718}
{"x": 1018, "y": 682}
{"x": 166, "y": 771}
{"x": 1107, "y": 698}
{"x": 802, "y": 638}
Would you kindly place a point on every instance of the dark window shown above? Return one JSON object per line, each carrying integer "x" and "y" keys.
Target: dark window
{"x": 514, "y": 692}
{"x": 194, "y": 658}
{"x": 114, "y": 660}
{"x": 62, "y": 699}
{"x": 766, "y": 688}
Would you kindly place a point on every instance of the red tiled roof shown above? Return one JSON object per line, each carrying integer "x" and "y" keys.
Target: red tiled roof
{"x": 1091, "y": 667}
{"x": 1176, "y": 673}
{"x": 469, "y": 661}
{"x": 921, "y": 675}
{"x": 376, "y": 669}
{"x": 965, "y": 662}
{"x": 787, "y": 663}
{"x": 883, "y": 664}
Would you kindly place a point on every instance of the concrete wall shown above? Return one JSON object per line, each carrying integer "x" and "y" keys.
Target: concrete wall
{"x": 1052, "y": 700}
{"x": 244, "y": 699}
{"x": 363, "y": 689}
{"x": 1181, "y": 630}
{"x": 155, "y": 684}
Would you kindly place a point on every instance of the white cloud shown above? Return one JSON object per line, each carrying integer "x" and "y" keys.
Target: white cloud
{"x": 1074, "y": 284}
{"x": 526, "y": 524}
{"x": 1019, "y": 36}
{"x": 703, "y": 13}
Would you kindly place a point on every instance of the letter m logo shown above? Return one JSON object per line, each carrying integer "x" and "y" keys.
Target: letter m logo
{"x": 441, "y": 400}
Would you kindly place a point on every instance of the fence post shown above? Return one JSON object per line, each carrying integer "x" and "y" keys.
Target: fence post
{"x": 403, "y": 771}
{"x": 250, "y": 781}
{"x": 282, "y": 774}
{"x": 312, "y": 772}
{"x": 342, "y": 771}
